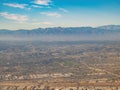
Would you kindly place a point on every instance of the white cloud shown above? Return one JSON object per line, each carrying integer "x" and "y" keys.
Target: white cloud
{"x": 16, "y": 17}
{"x": 29, "y": 8}
{"x": 64, "y": 10}
{"x": 43, "y": 2}
{"x": 52, "y": 14}
{"x": 41, "y": 23}
{"x": 16, "y": 5}
{"x": 36, "y": 6}
{"x": 47, "y": 23}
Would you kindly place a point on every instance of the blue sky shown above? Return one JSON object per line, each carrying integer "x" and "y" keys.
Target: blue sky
{"x": 29, "y": 14}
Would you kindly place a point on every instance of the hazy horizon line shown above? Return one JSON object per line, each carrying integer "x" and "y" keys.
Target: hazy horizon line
{"x": 60, "y": 27}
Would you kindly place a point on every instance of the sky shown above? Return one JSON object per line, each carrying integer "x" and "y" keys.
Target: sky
{"x": 30, "y": 14}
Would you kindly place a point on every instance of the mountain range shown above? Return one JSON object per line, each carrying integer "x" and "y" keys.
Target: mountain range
{"x": 108, "y": 31}
{"x": 61, "y": 30}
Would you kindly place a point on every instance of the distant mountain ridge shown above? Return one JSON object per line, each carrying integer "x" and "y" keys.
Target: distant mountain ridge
{"x": 61, "y": 30}
{"x": 110, "y": 27}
